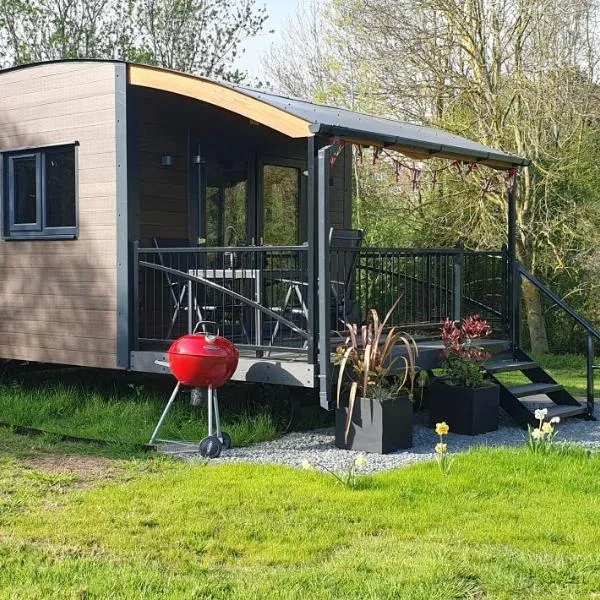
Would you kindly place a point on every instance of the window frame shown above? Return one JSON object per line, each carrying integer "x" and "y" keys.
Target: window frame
{"x": 37, "y": 230}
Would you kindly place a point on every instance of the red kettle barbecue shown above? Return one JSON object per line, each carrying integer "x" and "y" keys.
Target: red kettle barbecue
{"x": 202, "y": 360}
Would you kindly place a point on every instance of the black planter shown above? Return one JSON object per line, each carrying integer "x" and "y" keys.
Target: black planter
{"x": 380, "y": 426}
{"x": 469, "y": 411}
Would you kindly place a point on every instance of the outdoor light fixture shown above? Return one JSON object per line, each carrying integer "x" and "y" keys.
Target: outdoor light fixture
{"x": 167, "y": 160}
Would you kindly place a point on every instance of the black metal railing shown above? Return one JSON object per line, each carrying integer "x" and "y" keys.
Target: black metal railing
{"x": 431, "y": 285}
{"x": 256, "y": 295}
{"x": 592, "y": 334}
{"x": 259, "y": 295}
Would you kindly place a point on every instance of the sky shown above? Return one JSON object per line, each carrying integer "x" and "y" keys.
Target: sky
{"x": 279, "y": 12}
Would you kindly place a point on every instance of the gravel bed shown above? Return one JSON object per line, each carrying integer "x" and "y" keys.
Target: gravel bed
{"x": 317, "y": 447}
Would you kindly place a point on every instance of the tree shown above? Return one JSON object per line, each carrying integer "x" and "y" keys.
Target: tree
{"x": 202, "y": 37}
{"x": 514, "y": 74}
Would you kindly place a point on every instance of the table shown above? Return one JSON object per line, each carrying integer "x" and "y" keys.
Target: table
{"x": 224, "y": 275}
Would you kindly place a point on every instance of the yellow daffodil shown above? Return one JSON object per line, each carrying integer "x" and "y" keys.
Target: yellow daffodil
{"x": 361, "y": 460}
{"x": 537, "y": 433}
{"x": 555, "y": 420}
{"x": 442, "y": 428}
{"x": 547, "y": 428}
{"x": 441, "y": 448}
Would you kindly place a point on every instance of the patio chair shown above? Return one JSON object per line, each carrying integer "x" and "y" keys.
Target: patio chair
{"x": 345, "y": 245}
{"x": 177, "y": 288}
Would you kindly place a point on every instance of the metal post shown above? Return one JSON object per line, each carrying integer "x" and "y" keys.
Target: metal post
{"x": 590, "y": 376}
{"x": 190, "y": 307}
{"x": 210, "y": 411}
{"x": 324, "y": 285}
{"x": 457, "y": 282}
{"x": 513, "y": 268}
{"x": 311, "y": 199}
{"x": 135, "y": 311}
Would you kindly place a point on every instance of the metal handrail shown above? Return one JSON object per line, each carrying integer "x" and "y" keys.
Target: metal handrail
{"x": 227, "y": 291}
{"x": 591, "y": 331}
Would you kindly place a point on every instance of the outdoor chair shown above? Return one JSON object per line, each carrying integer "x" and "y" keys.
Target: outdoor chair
{"x": 344, "y": 246}
{"x": 177, "y": 288}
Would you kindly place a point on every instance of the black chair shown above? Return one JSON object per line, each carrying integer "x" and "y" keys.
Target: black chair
{"x": 177, "y": 288}
{"x": 345, "y": 245}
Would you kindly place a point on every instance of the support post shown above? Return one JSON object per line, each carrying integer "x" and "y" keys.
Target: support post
{"x": 136, "y": 294}
{"x": 324, "y": 282}
{"x": 457, "y": 282}
{"x": 312, "y": 238}
{"x": 590, "y": 377}
{"x": 513, "y": 269}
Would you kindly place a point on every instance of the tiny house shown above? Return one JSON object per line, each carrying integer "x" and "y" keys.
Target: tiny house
{"x": 138, "y": 204}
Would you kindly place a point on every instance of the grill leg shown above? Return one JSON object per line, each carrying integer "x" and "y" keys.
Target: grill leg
{"x": 210, "y": 411}
{"x": 217, "y": 419}
{"x": 164, "y": 414}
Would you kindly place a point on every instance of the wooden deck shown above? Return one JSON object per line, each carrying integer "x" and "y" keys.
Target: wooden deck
{"x": 291, "y": 368}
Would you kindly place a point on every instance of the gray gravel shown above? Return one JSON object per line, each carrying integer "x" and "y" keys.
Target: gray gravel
{"x": 317, "y": 447}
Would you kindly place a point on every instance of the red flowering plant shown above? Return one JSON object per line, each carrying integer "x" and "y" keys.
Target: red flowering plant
{"x": 462, "y": 357}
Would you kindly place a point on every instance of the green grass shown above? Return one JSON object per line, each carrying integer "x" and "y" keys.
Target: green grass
{"x": 127, "y": 416}
{"x": 505, "y": 524}
{"x": 568, "y": 369}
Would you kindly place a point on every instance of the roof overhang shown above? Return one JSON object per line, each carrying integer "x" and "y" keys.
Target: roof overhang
{"x": 222, "y": 96}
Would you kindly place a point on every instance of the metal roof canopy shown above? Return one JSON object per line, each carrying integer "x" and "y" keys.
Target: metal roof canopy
{"x": 300, "y": 118}
{"x": 416, "y": 141}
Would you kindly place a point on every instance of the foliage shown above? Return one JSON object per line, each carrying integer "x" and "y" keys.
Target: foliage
{"x": 163, "y": 529}
{"x": 541, "y": 438}
{"x": 123, "y": 418}
{"x": 367, "y": 367}
{"x": 441, "y": 449}
{"x": 521, "y": 76}
{"x": 348, "y": 477}
{"x": 202, "y": 37}
{"x": 462, "y": 357}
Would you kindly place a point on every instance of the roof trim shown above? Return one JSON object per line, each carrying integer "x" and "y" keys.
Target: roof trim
{"x": 222, "y": 96}
{"x": 422, "y": 150}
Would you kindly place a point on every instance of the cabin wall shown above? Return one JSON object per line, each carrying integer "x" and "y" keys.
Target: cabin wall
{"x": 58, "y": 297}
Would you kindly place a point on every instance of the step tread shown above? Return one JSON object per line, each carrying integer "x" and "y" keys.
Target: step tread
{"x": 565, "y": 410}
{"x": 504, "y": 366}
{"x": 531, "y": 389}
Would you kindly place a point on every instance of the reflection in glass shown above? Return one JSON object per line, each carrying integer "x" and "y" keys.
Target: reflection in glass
{"x": 25, "y": 190}
{"x": 281, "y": 187}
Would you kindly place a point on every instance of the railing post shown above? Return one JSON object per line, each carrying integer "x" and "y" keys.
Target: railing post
{"x": 135, "y": 309}
{"x": 516, "y": 305}
{"x": 590, "y": 376}
{"x": 324, "y": 286}
{"x": 457, "y": 282}
{"x": 190, "y": 306}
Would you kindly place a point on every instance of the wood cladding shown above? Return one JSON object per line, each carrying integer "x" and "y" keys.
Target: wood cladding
{"x": 58, "y": 297}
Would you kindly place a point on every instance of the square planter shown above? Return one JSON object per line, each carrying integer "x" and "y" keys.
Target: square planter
{"x": 469, "y": 411}
{"x": 380, "y": 426}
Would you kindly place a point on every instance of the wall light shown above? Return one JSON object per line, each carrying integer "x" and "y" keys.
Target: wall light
{"x": 167, "y": 160}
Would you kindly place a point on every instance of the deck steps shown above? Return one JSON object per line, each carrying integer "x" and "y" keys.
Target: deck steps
{"x": 513, "y": 397}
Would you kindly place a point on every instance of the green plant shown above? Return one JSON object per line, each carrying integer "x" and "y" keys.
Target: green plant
{"x": 462, "y": 358}
{"x": 441, "y": 448}
{"x": 366, "y": 364}
{"x": 349, "y": 476}
{"x": 541, "y": 438}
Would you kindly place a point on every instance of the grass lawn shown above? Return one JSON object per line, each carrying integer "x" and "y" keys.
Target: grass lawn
{"x": 100, "y": 405}
{"x": 504, "y": 524}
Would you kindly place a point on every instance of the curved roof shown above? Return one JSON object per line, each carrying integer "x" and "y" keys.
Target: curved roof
{"x": 300, "y": 118}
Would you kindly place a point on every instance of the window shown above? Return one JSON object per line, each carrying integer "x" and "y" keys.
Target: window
{"x": 281, "y": 205}
{"x": 40, "y": 196}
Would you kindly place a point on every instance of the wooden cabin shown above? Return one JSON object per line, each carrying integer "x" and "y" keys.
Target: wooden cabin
{"x": 140, "y": 203}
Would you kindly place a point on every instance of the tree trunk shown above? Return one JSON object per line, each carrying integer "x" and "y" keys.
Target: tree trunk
{"x": 535, "y": 318}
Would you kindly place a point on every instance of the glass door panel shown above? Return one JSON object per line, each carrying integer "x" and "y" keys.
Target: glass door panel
{"x": 281, "y": 205}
